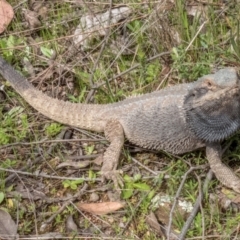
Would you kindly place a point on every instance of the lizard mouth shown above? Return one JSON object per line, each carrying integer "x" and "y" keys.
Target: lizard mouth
{"x": 216, "y": 115}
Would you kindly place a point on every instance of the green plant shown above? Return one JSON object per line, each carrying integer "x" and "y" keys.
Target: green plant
{"x": 14, "y": 125}
{"x": 89, "y": 149}
{"x": 133, "y": 183}
{"x": 53, "y": 129}
{"x": 47, "y": 52}
{"x": 9, "y": 43}
{"x": 199, "y": 52}
{"x": 26, "y": 227}
{"x": 182, "y": 62}
{"x": 235, "y": 41}
{"x": 2, "y": 196}
{"x": 73, "y": 184}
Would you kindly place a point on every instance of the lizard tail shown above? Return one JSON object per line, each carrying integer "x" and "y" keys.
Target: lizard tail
{"x": 78, "y": 115}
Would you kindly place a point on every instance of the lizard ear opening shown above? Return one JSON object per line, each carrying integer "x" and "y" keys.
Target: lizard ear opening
{"x": 215, "y": 120}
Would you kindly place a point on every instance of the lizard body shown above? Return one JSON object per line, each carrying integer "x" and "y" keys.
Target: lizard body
{"x": 176, "y": 119}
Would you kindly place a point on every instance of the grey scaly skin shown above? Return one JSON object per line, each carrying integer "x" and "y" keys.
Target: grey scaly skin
{"x": 176, "y": 119}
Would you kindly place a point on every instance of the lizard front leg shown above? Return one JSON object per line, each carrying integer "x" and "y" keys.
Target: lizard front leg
{"x": 115, "y": 135}
{"x": 223, "y": 173}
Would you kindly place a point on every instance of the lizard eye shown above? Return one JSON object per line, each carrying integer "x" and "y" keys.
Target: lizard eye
{"x": 209, "y": 84}
{"x": 199, "y": 92}
{"x": 196, "y": 94}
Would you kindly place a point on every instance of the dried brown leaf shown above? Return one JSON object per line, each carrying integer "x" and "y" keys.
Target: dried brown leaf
{"x": 6, "y": 15}
{"x": 8, "y": 228}
{"x": 152, "y": 221}
{"x": 91, "y": 27}
{"x": 101, "y": 208}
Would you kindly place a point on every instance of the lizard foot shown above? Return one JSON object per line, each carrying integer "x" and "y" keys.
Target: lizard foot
{"x": 223, "y": 173}
{"x": 115, "y": 176}
{"x": 235, "y": 185}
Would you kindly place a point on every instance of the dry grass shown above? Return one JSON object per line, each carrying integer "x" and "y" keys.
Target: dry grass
{"x": 33, "y": 144}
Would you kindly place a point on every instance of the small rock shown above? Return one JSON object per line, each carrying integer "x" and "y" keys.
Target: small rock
{"x": 94, "y": 197}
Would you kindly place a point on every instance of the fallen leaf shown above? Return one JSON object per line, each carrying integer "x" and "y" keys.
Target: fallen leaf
{"x": 152, "y": 221}
{"x": 101, "y": 208}
{"x": 6, "y": 15}
{"x": 71, "y": 226}
{"x": 159, "y": 228}
{"x": 91, "y": 26}
{"x": 8, "y": 228}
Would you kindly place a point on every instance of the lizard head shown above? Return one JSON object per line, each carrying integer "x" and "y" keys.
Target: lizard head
{"x": 224, "y": 77}
{"x": 212, "y": 106}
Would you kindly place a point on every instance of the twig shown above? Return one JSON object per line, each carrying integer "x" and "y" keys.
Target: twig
{"x": 89, "y": 134}
{"x": 132, "y": 68}
{"x": 51, "y": 141}
{"x": 47, "y": 176}
{"x": 56, "y": 235}
{"x": 196, "y": 206}
{"x": 77, "y": 195}
{"x": 19, "y": 4}
{"x": 162, "y": 81}
{"x": 89, "y": 220}
{"x": 199, "y": 30}
{"x": 143, "y": 166}
{"x": 177, "y": 196}
{"x": 200, "y": 206}
{"x": 83, "y": 157}
{"x": 132, "y": 215}
{"x": 38, "y": 159}
{"x": 91, "y": 92}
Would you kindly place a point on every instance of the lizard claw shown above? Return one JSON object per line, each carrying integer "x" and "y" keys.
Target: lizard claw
{"x": 236, "y": 186}
{"x": 115, "y": 176}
